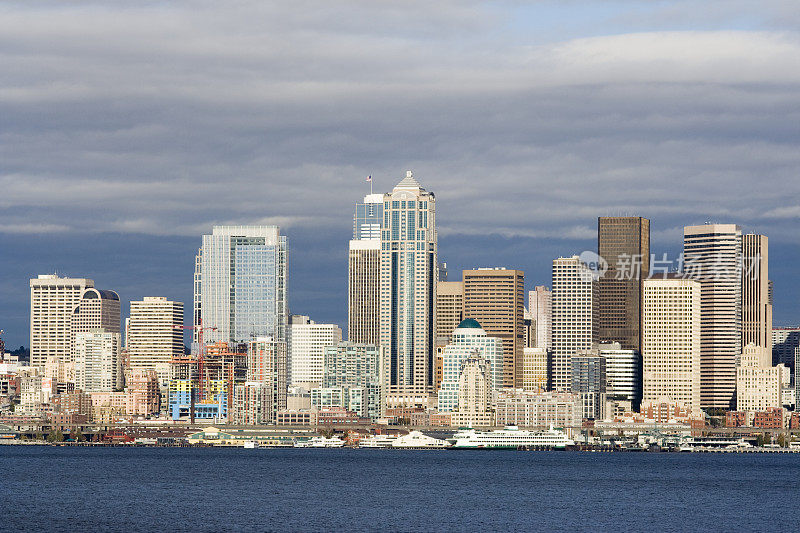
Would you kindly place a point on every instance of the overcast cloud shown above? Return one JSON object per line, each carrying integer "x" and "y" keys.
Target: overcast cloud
{"x": 528, "y": 119}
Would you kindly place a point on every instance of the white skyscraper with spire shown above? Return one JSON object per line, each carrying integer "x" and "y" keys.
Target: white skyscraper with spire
{"x": 408, "y": 275}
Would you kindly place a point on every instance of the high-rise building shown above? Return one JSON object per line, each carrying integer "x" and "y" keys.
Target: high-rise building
{"x": 623, "y": 373}
{"x": 474, "y": 393}
{"x": 671, "y": 340}
{"x": 154, "y": 334}
{"x": 240, "y": 284}
{"x": 97, "y": 363}
{"x": 534, "y": 369}
{"x": 363, "y": 291}
{"x": 756, "y": 303}
{"x": 53, "y": 302}
{"x": 252, "y": 404}
{"x": 469, "y": 340}
{"x": 713, "y": 256}
{"x": 758, "y": 383}
{"x": 307, "y": 344}
{"x": 97, "y": 309}
{"x": 408, "y": 292}
{"x": 267, "y": 363}
{"x": 449, "y": 309}
{"x": 540, "y": 308}
{"x": 495, "y": 298}
{"x": 349, "y": 365}
{"x": 589, "y": 382}
{"x": 363, "y": 280}
{"x": 624, "y": 243}
{"x": 573, "y": 320}
{"x": 786, "y": 346}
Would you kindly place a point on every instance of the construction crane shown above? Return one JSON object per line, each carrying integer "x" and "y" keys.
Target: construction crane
{"x": 200, "y": 328}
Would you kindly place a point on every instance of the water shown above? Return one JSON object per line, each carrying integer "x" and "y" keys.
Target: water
{"x": 213, "y": 489}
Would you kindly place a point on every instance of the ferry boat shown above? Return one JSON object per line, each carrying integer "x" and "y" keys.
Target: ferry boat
{"x": 321, "y": 442}
{"x": 510, "y": 437}
{"x": 418, "y": 440}
{"x": 377, "y": 441}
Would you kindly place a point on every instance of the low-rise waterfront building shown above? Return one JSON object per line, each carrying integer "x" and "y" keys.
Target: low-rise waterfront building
{"x": 516, "y": 407}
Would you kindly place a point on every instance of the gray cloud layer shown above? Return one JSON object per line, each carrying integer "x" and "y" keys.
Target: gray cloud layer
{"x": 167, "y": 118}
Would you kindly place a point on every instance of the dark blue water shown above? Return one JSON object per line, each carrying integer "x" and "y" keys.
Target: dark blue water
{"x": 147, "y": 489}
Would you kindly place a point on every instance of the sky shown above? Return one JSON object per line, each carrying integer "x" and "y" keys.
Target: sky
{"x": 129, "y": 129}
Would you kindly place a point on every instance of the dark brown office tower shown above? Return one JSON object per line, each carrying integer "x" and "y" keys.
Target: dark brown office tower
{"x": 494, "y": 297}
{"x": 624, "y": 242}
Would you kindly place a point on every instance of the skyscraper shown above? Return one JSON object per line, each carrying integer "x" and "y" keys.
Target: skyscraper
{"x": 573, "y": 321}
{"x": 267, "y": 363}
{"x": 469, "y": 340}
{"x": 408, "y": 291}
{"x": 96, "y": 310}
{"x": 97, "y": 363}
{"x": 53, "y": 303}
{"x": 449, "y": 309}
{"x": 786, "y": 347}
{"x": 671, "y": 315}
{"x": 712, "y": 256}
{"x": 363, "y": 266}
{"x": 756, "y": 305}
{"x": 624, "y": 243}
{"x": 539, "y": 306}
{"x": 240, "y": 284}
{"x": 307, "y": 344}
{"x": 495, "y": 298}
{"x": 154, "y": 334}
{"x": 349, "y": 365}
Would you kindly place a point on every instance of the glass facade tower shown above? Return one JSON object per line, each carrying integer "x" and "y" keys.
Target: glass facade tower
{"x": 240, "y": 284}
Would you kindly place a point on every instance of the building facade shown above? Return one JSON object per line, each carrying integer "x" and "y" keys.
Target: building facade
{"x": 97, "y": 362}
{"x": 474, "y": 393}
{"x": 542, "y": 410}
{"x": 589, "y": 382}
{"x": 307, "y": 345}
{"x": 352, "y": 365}
{"x": 623, "y": 373}
{"x": 495, "y": 298}
{"x": 534, "y": 369}
{"x": 713, "y": 256}
{"x": 408, "y": 292}
{"x": 469, "y": 340}
{"x": 756, "y": 301}
{"x": 449, "y": 309}
{"x": 540, "y": 306}
{"x": 624, "y": 243}
{"x": 786, "y": 346}
{"x": 573, "y": 317}
{"x": 671, "y": 341}
{"x": 53, "y": 303}
{"x": 155, "y": 335}
{"x": 267, "y": 362}
{"x": 758, "y": 383}
{"x": 240, "y": 284}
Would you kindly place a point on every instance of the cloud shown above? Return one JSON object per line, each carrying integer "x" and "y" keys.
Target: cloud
{"x": 166, "y": 119}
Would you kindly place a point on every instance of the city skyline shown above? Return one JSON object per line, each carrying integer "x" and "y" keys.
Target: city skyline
{"x": 786, "y": 309}
{"x": 549, "y": 113}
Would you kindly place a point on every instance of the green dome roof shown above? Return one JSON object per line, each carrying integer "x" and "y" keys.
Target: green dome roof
{"x": 469, "y": 323}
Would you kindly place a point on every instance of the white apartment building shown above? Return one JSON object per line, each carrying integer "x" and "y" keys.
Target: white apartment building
{"x": 758, "y": 383}
{"x": 53, "y": 302}
{"x": 671, "y": 341}
{"x": 307, "y": 344}
{"x": 573, "y": 321}
{"x": 97, "y": 362}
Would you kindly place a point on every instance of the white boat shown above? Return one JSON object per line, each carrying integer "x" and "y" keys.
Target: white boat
{"x": 417, "y": 439}
{"x": 377, "y": 441}
{"x": 324, "y": 442}
{"x": 510, "y": 437}
{"x": 250, "y": 444}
